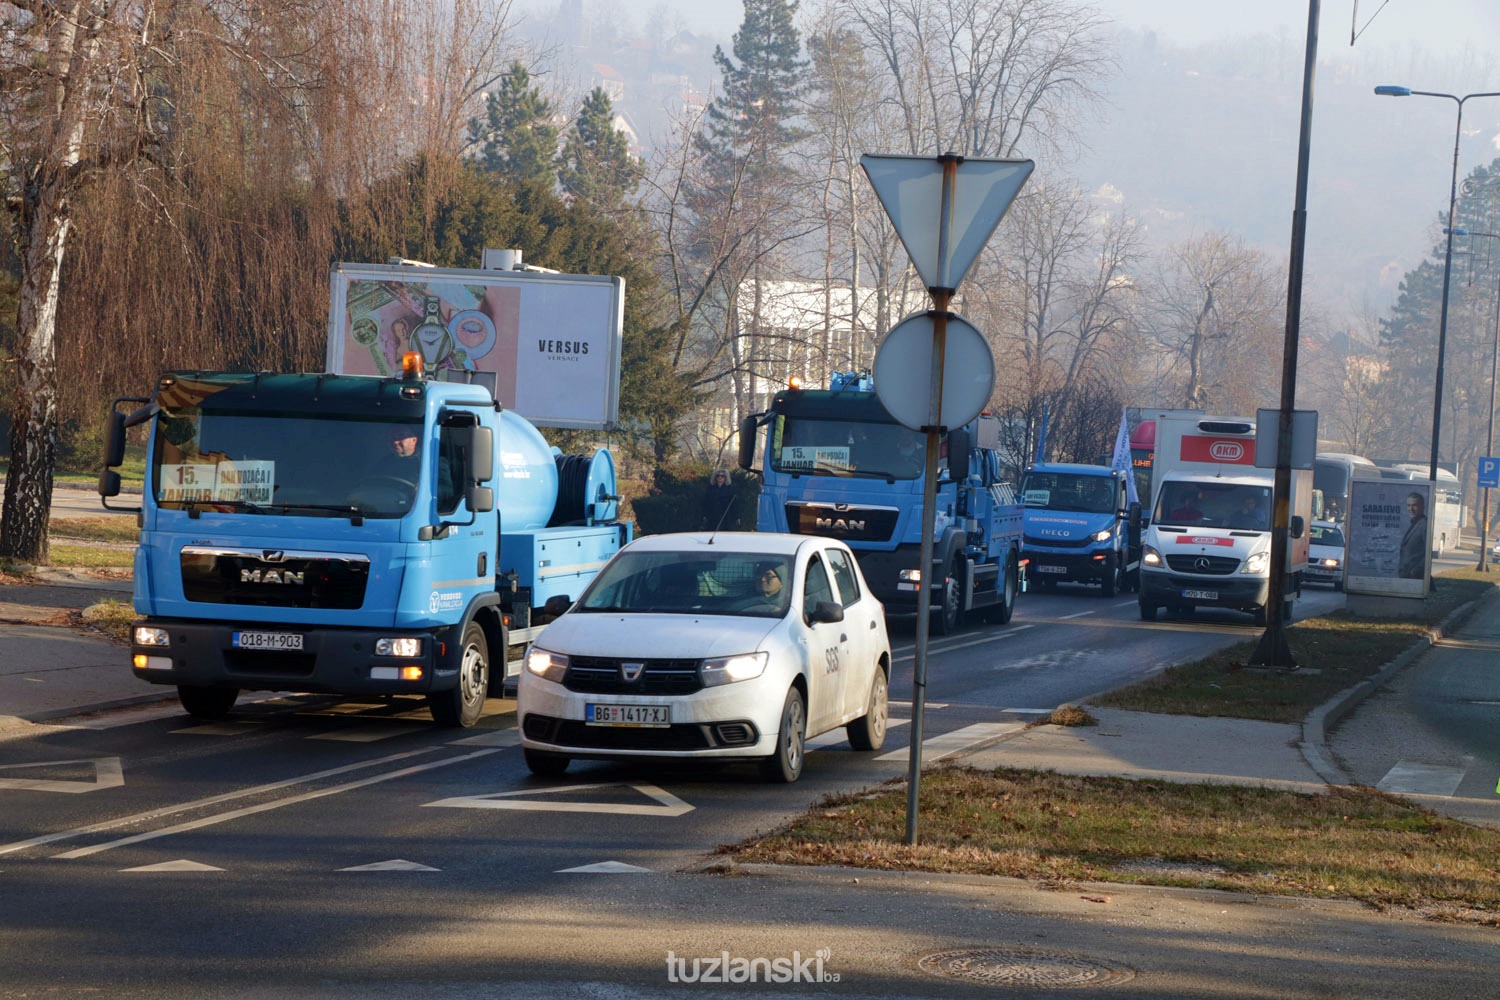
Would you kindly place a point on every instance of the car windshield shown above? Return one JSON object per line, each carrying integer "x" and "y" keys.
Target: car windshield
{"x": 1069, "y": 491}
{"x": 691, "y": 583}
{"x": 1327, "y": 536}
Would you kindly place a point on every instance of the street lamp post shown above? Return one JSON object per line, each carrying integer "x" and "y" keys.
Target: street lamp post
{"x": 1437, "y": 394}
{"x": 1489, "y": 441}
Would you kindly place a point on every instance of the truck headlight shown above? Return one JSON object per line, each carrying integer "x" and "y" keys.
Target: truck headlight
{"x": 547, "y": 664}
{"x": 1150, "y": 557}
{"x": 398, "y": 647}
{"x": 1256, "y": 564}
{"x": 910, "y": 576}
{"x": 728, "y": 669}
{"x": 145, "y": 635}
{"x": 1103, "y": 536}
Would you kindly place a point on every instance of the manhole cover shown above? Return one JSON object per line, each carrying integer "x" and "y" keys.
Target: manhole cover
{"x": 1002, "y": 967}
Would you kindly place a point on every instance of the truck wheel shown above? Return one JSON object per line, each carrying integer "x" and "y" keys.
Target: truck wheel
{"x": 1110, "y": 585}
{"x": 544, "y": 764}
{"x": 209, "y": 704}
{"x": 785, "y": 765}
{"x": 950, "y": 614}
{"x": 868, "y": 732}
{"x": 1010, "y": 585}
{"x": 460, "y": 706}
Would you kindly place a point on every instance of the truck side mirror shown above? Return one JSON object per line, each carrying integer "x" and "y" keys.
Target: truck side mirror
{"x": 747, "y": 441}
{"x": 481, "y": 452}
{"x": 958, "y": 454}
{"x": 1298, "y": 526}
{"x": 481, "y": 499}
{"x": 114, "y": 440}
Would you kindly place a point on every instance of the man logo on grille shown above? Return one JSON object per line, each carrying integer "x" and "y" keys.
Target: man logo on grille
{"x": 631, "y": 671}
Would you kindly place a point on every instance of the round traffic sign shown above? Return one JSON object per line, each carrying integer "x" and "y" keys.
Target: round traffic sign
{"x": 903, "y": 372}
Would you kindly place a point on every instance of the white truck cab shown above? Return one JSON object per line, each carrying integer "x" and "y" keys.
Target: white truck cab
{"x": 1207, "y": 542}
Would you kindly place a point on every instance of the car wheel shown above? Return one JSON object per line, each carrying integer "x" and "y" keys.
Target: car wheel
{"x": 544, "y": 764}
{"x": 950, "y": 614}
{"x": 785, "y": 765}
{"x": 1148, "y": 612}
{"x": 868, "y": 732}
{"x": 1338, "y": 585}
{"x": 209, "y": 704}
{"x": 460, "y": 706}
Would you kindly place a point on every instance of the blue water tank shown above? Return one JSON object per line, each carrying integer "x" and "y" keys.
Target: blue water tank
{"x": 525, "y": 474}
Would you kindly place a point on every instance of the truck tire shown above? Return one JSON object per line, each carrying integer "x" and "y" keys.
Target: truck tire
{"x": 868, "y": 731}
{"x": 545, "y": 764}
{"x": 785, "y": 765}
{"x": 209, "y": 704}
{"x": 950, "y": 613}
{"x": 1110, "y": 585}
{"x": 1010, "y": 586}
{"x": 460, "y": 706}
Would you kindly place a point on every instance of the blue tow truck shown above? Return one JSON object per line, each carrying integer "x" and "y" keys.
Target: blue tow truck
{"x": 1078, "y": 527}
{"x": 837, "y": 464}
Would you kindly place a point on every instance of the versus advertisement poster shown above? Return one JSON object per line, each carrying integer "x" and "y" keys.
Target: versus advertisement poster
{"x": 1389, "y": 534}
{"x": 551, "y": 340}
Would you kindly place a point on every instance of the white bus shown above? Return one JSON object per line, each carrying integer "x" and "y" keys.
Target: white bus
{"x": 1447, "y": 504}
{"x": 1332, "y": 474}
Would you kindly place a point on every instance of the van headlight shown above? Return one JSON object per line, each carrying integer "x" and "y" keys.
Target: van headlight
{"x": 728, "y": 669}
{"x": 1150, "y": 557}
{"x": 547, "y": 664}
{"x": 1256, "y": 564}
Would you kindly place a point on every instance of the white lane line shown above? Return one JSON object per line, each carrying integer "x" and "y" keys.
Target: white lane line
{"x": 1412, "y": 777}
{"x": 949, "y": 744}
{"x": 965, "y": 645}
{"x": 196, "y": 824}
{"x": 834, "y": 737}
{"x": 1128, "y": 604}
{"x": 210, "y": 801}
{"x": 491, "y": 738}
{"x": 1078, "y": 614}
{"x": 667, "y": 804}
{"x": 364, "y": 734}
{"x": 219, "y": 729}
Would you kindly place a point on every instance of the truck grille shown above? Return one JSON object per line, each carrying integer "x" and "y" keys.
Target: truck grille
{"x": 854, "y": 524}
{"x": 1058, "y": 543}
{"x": 1203, "y": 565}
{"x": 607, "y": 675}
{"x": 279, "y": 578}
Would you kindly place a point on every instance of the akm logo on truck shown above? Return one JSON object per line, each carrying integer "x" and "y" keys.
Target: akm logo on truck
{"x": 1225, "y": 451}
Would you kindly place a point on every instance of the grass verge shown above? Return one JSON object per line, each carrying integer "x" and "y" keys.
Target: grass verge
{"x": 1348, "y": 843}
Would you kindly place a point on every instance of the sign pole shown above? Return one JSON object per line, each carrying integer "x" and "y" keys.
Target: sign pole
{"x": 941, "y": 298}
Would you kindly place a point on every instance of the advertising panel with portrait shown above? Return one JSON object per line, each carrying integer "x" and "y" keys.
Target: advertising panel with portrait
{"x": 1389, "y": 533}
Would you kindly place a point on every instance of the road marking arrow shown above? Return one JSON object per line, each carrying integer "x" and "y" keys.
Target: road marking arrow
{"x": 604, "y": 868}
{"x": 395, "y": 865}
{"x": 107, "y": 774}
{"x": 180, "y": 865}
{"x": 667, "y": 803}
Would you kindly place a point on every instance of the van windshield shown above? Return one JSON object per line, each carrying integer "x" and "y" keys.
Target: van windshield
{"x": 1243, "y": 506}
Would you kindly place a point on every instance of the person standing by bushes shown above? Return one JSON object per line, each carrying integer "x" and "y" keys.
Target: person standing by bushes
{"x": 717, "y": 500}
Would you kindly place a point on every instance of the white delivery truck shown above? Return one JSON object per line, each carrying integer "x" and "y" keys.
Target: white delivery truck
{"x": 1207, "y": 542}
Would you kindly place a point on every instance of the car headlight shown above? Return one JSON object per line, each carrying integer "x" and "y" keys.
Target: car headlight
{"x": 728, "y": 669}
{"x": 1256, "y": 564}
{"x": 1331, "y": 563}
{"x": 547, "y": 664}
{"x": 1103, "y": 536}
{"x": 1150, "y": 557}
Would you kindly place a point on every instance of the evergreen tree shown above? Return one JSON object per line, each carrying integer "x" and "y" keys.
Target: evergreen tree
{"x": 517, "y": 137}
{"x": 596, "y": 163}
{"x": 752, "y": 122}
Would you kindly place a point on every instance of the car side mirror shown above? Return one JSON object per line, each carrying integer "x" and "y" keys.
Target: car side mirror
{"x": 826, "y": 612}
{"x": 556, "y": 606}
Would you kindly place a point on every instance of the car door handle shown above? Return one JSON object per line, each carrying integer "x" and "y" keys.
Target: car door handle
{"x": 843, "y": 638}
{"x": 872, "y": 624}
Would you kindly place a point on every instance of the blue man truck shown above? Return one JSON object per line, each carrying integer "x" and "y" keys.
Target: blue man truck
{"x": 364, "y": 535}
{"x": 837, "y": 464}
{"x": 1078, "y": 527}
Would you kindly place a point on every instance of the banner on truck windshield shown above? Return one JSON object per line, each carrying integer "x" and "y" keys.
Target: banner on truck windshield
{"x": 1389, "y": 535}
{"x": 551, "y": 340}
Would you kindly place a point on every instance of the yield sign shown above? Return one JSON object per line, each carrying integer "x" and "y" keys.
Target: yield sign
{"x": 944, "y": 208}
{"x": 107, "y": 774}
{"x": 666, "y": 804}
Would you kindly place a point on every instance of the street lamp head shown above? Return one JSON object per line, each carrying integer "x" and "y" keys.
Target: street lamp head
{"x": 1388, "y": 90}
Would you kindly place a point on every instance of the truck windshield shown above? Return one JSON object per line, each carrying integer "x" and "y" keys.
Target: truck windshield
{"x": 1213, "y": 504}
{"x": 298, "y": 464}
{"x": 1069, "y": 491}
{"x": 831, "y": 447}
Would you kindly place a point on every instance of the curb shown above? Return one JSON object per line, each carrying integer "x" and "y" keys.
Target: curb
{"x": 1315, "y": 727}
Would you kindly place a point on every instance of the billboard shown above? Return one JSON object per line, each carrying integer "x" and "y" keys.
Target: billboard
{"x": 1389, "y": 534}
{"x": 551, "y": 340}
